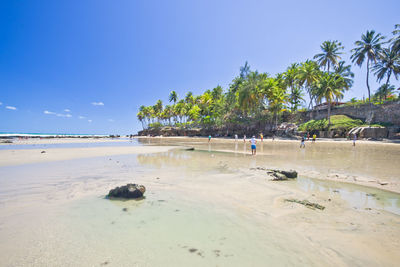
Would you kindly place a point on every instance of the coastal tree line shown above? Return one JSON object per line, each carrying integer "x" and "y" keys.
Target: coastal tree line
{"x": 255, "y": 96}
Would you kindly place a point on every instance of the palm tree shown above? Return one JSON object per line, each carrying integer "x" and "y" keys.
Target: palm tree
{"x": 244, "y": 71}
{"x": 140, "y": 117}
{"x": 309, "y": 74}
{"x": 345, "y": 71}
{"x": 291, "y": 77}
{"x": 173, "y": 96}
{"x": 388, "y": 63}
{"x": 384, "y": 90}
{"x": 395, "y": 41}
{"x": 189, "y": 99}
{"x": 369, "y": 46}
{"x": 330, "y": 54}
{"x": 330, "y": 86}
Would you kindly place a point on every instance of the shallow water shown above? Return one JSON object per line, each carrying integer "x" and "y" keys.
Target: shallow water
{"x": 369, "y": 160}
{"x": 202, "y": 208}
{"x": 126, "y": 142}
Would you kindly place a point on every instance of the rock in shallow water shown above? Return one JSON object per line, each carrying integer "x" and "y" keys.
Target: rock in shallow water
{"x": 129, "y": 191}
{"x": 280, "y": 175}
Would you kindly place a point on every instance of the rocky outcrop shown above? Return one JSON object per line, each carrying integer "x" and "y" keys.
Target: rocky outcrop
{"x": 388, "y": 112}
{"x": 369, "y": 132}
{"x": 129, "y": 191}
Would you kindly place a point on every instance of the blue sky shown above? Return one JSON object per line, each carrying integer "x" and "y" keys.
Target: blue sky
{"x": 101, "y": 60}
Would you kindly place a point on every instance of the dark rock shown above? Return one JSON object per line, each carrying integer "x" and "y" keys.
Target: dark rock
{"x": 43, "y": 152}
{"x": 289, "y": 174}
{"x": 190, "y": 148}
{"x": 280, "y": 175}
{"x": 128, "y": 191}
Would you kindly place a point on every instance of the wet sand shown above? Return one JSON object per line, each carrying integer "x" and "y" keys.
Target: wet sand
{"x": 206, "y": 207}
{"x": 372, "y": 164}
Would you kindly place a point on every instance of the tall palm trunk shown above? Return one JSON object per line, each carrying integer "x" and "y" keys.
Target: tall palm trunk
{"x": 369, "y": 91}
{"x": 329, "y": 114}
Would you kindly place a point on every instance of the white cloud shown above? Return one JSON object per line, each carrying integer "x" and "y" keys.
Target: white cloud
{"x": 67, "y": 110}
{"x": 81, "y": 117}
{"x": 110, "y": 120}
{"x": 97, "y": 103}
{"x": 11, "y": 107}
{"x": 64, "y": 115}
{"x": 57, "y": 114}
{"x": 89, "y": 120}
{"x": 1, "y": 103}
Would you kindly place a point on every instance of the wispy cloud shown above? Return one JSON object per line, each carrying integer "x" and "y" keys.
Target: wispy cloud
{"x": 11, "y": 108}
{"x": 57, "y": 114}
{"x": 97, "y": 103}
{"x": 67, "y": 110}
{"x": 1, "y": 103}
{"x": 110, "y": 120}
{"x": 82, "y": 117}
{"x": 64, "y": 115}
{"x": 89, "y": 120}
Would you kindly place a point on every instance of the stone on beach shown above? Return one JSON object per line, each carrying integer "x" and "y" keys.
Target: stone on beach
{"x": 280, "y": 175}
{"x": 129, "y": 191}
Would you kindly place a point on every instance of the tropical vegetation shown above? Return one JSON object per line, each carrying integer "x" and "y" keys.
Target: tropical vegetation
{"x": 261, "y": 98}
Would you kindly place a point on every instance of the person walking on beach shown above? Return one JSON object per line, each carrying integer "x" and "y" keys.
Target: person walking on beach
{"x": 354, "y": 139}
{"x": 209, "y": 138}
{"x": 262, "y": 137}
{"x": 302, "y": 145}
{"x": 253, "y": 145}
{"x": 308, "y": 136}
{"x": 244, "y": 138}
{"x": 314, "y": 137}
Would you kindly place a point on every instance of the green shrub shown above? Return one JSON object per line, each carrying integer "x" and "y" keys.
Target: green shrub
{"x": 155, "y": 125}
{"x": 338, "y": 122}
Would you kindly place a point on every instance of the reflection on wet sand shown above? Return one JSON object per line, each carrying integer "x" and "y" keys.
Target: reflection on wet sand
{"x": 368, "y": 163}
{"x": 200, "y": 161}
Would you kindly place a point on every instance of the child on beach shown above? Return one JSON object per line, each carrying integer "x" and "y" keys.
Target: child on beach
{"x": 244, "y": 138}
{"x": 253, "y": 145}
{"x": 209, "y": 138}
{"x": 302, "y": 145}
{"x": 314, "y": 137}
{"x": 262, "y": 137}
{"x": 354, "y": 139}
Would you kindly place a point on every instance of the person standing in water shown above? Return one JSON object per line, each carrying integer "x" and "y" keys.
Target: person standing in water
{"x": 302, "y": 145}
{"x": 209, "y": 138}
{"x": 244, "y": 138}
{"x": 354, "y": 139}
{"x": 262, "y": 137}
{"x": 253, "y": 145}
{"x": 236, "y": 137}
{"x": 314, "y": 137}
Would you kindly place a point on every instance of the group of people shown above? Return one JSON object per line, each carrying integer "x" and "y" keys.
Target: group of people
{"x": 253, "y": 140}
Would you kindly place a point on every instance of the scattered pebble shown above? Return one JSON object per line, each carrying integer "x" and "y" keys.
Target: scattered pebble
{"x": 125, "y": 209}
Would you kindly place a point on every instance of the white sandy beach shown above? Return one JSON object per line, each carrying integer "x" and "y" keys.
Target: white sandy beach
{"x": 214, "y": 203}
